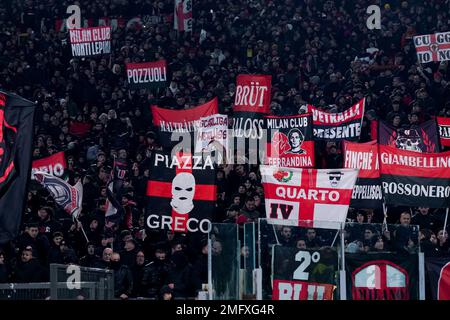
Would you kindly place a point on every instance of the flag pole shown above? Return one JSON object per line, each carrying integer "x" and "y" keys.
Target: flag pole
{"x": 82, "y": 229}
{"x": 446, "y": 219}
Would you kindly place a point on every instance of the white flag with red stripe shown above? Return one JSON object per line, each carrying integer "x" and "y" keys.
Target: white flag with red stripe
{"x": 182, "y": 20}
{"x": 433, "y": 47}
{"x": 316, "y": 198}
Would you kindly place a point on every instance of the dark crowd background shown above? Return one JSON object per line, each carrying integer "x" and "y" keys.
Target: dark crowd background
{"x": 318, "y": 52}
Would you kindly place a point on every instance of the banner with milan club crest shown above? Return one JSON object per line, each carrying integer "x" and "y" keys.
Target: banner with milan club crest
{"x": 338, "y": 126}
{"x": 147, "y": 74}
{"x": 432, "y": 47}
{"x": 181, "y": 122}
{"x": 382, "y": 276}
{"x": 307, "y": 197}
{"x": 367, "y": 192}
{"x": 438, "y": 273}
{"x": 414, "y": 179}
{"x": 444, "y": 130}
{"x": 303, "y": 274}
{"x": 54, "y": 165}
{"x": 90, "y": 41}
{"x": 290, "y": 141}
{"x": 421, "y": 138}
{"x": 182, "y": 15}
{"x": 181, "y": 193}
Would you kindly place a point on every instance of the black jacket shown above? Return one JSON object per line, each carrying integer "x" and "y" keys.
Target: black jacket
{"x": 154, "y": 276}
{"x": 31, "y": 271}
{"x": 123, "y": 281}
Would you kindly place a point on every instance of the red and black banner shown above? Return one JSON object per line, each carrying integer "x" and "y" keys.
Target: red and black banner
{"x": 181, "y": 193}
{"x": 438, "y": 271}
{"x": 344, "y": 125}
{"x": 147, "y": 74}
{"x": 422, "y": 138}
{"x": 382, "y": 276}
{"x": 444, "y": 130}
{"x": 16, "y": 139}
{"x": 303, "y": 274}
{"x": 415, "y": 179}
{"x": 182, "y": 123}
{"x": 433, "y": 47}
{"x": 367, "y": 192}
{"x": 53, "y": 165}
{"x": 290, "y": 141}
{"x": 90, "y": 41}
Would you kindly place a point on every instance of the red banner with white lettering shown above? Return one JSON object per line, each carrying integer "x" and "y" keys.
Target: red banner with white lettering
{"x": 415, "y": 179}
{"x": 53, "y": 165}
{"x": 432, "y": 47}
{"x": 338, "y": 126}
{"x": 147, "y": 74}
{"x": 307, "y": 197}
{"x": 90, "y": 41}
{"x": 444, "y": 130}
{"x": 252, "y": 93}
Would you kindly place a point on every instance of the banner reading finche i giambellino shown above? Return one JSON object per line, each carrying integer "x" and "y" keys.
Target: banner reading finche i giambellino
{"x": 414, "y": 179}
{"x": 432, "y": 47}
{"x": 90, "y": 41}
{"x": 338, "y": 126}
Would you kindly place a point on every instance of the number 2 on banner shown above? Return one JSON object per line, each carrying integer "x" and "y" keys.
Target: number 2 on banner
{"x": 304, "y": 257}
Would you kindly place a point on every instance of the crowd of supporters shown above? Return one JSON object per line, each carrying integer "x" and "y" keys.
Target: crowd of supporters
{"x": 317, "y": 52}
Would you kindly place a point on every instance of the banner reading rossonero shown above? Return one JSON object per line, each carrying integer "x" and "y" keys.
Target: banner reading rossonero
{"x": 290, "y": 141}
{"x": 181, "y": 193}
{"x": 303, "y": 274}
{"x": 367, "y": 192}
{"x": 147, "y": 74}
{"x": 338, "y": 126}
{"x": 382, "y": 276}
{"x": 90, "y": 41}
{"x": 414, "y": 179}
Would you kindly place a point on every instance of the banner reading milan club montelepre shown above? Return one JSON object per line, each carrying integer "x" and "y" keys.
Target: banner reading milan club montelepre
{"x": 147, "y": 74}
{"x": 251, "y": 103}
{"x": 338, "y": 126}
{"x": 415, "y": 179}
{"x": 212, "y": 135}
{"x": 421, "y": 138}
{"x": 367, "y": 192}
{"x": 303, "y": 274}
{"x": 307, "y": 197}
{"x": 16, "y": 139}
{"x": 444, "y": 130}
{"x": 90, "y": 41}
{"x": 182, "y": 20}
{"x": 290, "y": 141}
{"x": 438, "y": 273}
{"x": 382, "y": 276}
{"x": 54, "y": 165}
{"x": 433, "y": 47}
{"x": 181, "y": 122}
{"x": 181, "y": 193}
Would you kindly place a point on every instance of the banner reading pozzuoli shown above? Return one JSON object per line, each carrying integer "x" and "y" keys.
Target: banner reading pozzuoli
{"x": 432, "y": 47}
{"x": 367, "y": 192}
{"x": 420, "y": 138}
{"x": 186, "y": 121}
{"x": 307, "y": 274}
{"x": 147, "y": 74}
{"x": 90, "y": 41}
{"x": 307, "y": 197}
{"x": 290, "y": 141}
{"x": 181, "y": 193}
{"x": 444, "y": 130}
{"x": 54, "y": 165}
{"x": 413, "y": 179}
{"x": 338, "y": 126}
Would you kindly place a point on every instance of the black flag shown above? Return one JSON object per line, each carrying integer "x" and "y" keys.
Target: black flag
{"x": 16, "y": 139}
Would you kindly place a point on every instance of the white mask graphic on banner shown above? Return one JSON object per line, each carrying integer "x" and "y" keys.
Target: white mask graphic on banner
{"x": 183, "y": 191}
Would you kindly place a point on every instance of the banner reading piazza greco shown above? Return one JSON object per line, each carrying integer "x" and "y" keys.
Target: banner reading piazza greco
{"x": 414, "y": 179}
{"x": 90, "y": 41}
{"x": 338, "y": 126}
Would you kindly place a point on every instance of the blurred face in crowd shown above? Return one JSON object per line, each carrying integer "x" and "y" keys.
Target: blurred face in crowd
{"x": 177, "y": 247}
{"x": 250, "y": 205}
{"x": 442, "y": 236}
{"x": 379, "y": 245}
{"x": 43, "y": 214}
{"x": 91, "y": 249}
{"x": 301, "y": 244}
{"x": 405, "y": 219}
{"x": 140, "y": 258}
{"x": 237, "y": 200}
{"x": 107, "y": 254}
{"x": 286, "y": 233}
{"x": 368, "y": 234}
{"x": 57, "y": 240}
{"x": 360, "y": 217}
{"x": 423, "y": 210}
{"x": 33, "y": 232}
{"x": 216, "y": 248}
{"x": 311, "y": 234}
{"x": 160, "y": 255}
{"x": 27, "y": 255}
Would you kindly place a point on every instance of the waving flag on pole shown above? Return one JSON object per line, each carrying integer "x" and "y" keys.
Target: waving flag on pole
{"x": 183, "y": 15}
{"x": 68, "y": 197}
